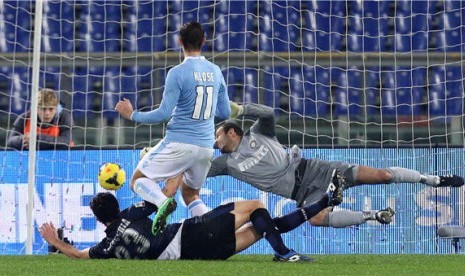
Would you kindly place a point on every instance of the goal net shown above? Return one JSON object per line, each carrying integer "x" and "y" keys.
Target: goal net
{"x": 376, "y": 83}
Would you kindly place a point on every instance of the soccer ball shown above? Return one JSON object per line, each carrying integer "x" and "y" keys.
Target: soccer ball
{"x": 111, "y": 176}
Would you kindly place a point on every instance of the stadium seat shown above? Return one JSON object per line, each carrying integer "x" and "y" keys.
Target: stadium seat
{"x": 420, "y": 27}
{"x": 277, "y": 29}
{"x": 87, "y": 85}
{"x": 403, "y": 90}
{"x": 454, "y": 90}
{"x": 296, "y": 92}
{"x": 403, "y": 23}
{"x": 15, "y": 26}
{"x": 233, "y": 33}
{"x": 199, "y": 11}
{"x": 99, "y": 28}
{"x": 58, "y": 27}
{"x": 453, "y": 5}
{"x": 242, "y": 84}
{"x": 446, "y": 91}
{"x": 348, "y": 91}
{"x": 402, "y": 42}
{"x": 181, "y": 12}
{"x": 118, "y": 84}
{"x": 450, "y": 34}
{"x": 416, "y": 7}
{"x": 388, "y": 98}
{"x": 410, "y": 31}
{"x": 299, "y": 91}
{"x": 234, "y": 78}
{"x": 233, "y": 26}
{"x": 141, "y": 80}
{"x": 145, "y": 29}
{"x": 323, "y": 23}
{"x": 437, "y": 94}
{"x": 417, "y": 14}
{"x": 372, "y": 91}
{"x": 49, "y": 77}
{"x": 250, "y": 86}
{"x": 317, "y": 85}
{"x": 308, "y": 94}
{"x": 272, "y": 91}
{"x": 368, "y": 26}
{"x": 18, "y": 85}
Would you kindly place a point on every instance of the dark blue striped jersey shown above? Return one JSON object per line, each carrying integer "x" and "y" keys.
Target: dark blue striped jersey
{"x": 130, "y": 237}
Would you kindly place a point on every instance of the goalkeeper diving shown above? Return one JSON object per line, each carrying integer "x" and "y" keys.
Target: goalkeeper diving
{"x": 256, "y": 157}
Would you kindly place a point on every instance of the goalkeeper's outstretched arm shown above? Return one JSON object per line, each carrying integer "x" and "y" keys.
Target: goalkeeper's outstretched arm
{"x": 266, "y": 120}
{"x": 50, "y": 234}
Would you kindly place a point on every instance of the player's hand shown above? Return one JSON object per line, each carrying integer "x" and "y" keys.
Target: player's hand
{"x": 48, "y": 232}
{"x": 236, "y": 109}
{"x": 26, "y": 141}
{"x": 124, "y": 108}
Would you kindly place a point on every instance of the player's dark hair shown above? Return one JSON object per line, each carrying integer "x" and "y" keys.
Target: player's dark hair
{"x": 192, "y": 36}
{"x": 231, "y": 125}
{"x": 105, "y": 207}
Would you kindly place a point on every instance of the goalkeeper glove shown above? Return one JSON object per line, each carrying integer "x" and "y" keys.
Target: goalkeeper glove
{"x": 236, "y": 109}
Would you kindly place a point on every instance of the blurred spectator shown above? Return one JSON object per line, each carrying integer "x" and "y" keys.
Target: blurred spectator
{"x": 53, "y": 125}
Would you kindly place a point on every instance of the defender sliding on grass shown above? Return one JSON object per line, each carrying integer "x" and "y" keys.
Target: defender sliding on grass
{"x": 216, "y": 235}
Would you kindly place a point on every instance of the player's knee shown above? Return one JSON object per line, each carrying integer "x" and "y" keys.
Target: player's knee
{"x": 137, "y": 174}
{"x": 384, "y": 176}
{"x": 189, "y": 194}
{"x": 257, "y": 204}
{"x": 316, "y": 221}
{"x": 169, "y": 190}
{"x": 320, "y": 219}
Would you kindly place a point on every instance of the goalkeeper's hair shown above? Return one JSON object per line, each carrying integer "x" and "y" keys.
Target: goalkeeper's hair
{"x": 231, "y": 125}
{"x": 105, "y": 207}
{"x": 192, "y": 36}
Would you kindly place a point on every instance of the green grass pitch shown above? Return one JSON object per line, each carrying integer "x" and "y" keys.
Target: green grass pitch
{"x": 239, "y": 265}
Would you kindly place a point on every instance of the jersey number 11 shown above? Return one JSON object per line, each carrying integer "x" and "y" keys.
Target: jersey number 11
{"x": 203, "y": 93}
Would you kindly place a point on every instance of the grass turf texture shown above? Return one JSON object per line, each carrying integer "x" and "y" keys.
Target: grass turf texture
{"x": 239, "y": 265}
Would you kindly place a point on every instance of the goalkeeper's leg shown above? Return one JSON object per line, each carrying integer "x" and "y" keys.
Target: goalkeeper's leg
{"x": 368, "y": 175}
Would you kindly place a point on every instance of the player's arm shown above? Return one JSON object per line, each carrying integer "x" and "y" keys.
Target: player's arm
{"x": 223, "y": 109}
{"x": 266, "y": 121}
{"x": 49, "y": 233}
{"x": 15, "y": 138}
{"x": 162, "y": 113}
{"x": 218, "y": 167}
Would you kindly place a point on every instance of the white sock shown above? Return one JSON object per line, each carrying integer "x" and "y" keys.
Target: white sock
{"x": 149, "y": 190}
{"x": 197, "y": 208}
{"x": 403, "y": 175}
{"x": 431, "y": 180}
{"x": 345, "y": 218}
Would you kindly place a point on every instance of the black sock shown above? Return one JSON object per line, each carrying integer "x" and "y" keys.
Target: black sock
{"x": 293, "y": 220}
{"x": 265, "y": 227}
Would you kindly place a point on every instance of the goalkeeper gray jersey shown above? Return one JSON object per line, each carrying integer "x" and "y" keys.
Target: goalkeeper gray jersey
{"x": 260, "y": 160}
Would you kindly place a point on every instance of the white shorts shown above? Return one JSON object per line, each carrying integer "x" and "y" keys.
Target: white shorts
{"x": 169, "y": 159}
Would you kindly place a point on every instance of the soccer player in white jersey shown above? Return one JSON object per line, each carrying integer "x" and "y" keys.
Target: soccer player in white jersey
{"x": 195, "y": 92}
